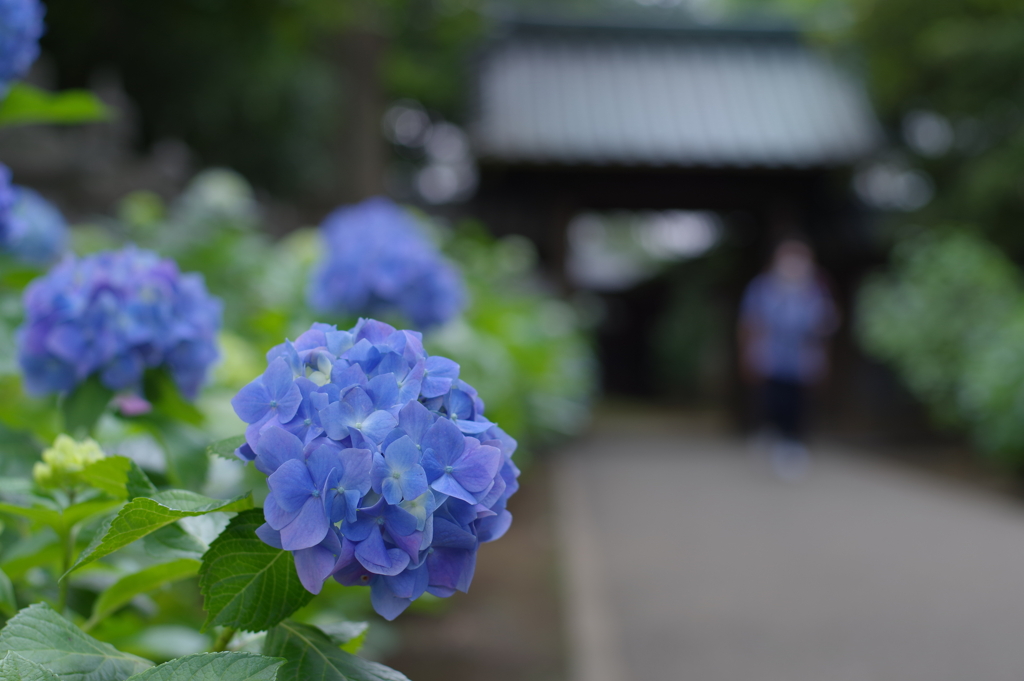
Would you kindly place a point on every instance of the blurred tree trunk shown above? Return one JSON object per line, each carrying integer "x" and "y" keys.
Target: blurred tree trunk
{"x": 362, "y": 147}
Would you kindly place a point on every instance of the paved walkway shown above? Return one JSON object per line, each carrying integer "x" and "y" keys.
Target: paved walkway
{"x": 684, "y": 559}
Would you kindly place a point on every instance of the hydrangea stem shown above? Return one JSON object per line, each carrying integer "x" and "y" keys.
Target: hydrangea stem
{"x": 67, "y": 541}
{"x": 221, "y": 644}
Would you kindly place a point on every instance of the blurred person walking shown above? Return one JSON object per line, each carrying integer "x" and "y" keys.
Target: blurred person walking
{"x": 786, "y": 317}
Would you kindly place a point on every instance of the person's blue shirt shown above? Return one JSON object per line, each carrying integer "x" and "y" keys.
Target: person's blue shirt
{"x": 787, "y": 321}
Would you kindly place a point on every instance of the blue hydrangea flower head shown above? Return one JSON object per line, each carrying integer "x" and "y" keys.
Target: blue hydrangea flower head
{"x": 21, "y": 25}
{"x": 383, "y": 470}
{"x": 32, "y": 229}
{"x": 116, "y": 314}
{"x": 379, "y": 261}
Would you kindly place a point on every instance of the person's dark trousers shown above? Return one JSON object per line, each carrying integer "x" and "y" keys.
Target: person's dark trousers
{"x": 784, "y": 406}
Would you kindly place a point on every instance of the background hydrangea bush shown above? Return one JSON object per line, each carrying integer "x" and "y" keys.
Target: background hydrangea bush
{"x": 116, "y": 314}
{"x": 947, "y": 318}
{"x": 377, "y": 260}
{"x": 32, "y": 230}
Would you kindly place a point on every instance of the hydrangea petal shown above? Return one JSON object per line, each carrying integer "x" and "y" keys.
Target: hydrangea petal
{"x": 489, "y": 529}
{"x": 415, "y": 420}
{"x": 446, "y": 441}
{"x": 277, "y": 517}
{"x": 373, "y": 555}
{"x": 446, "y": 484}
{"x": 252, "y": 402}
{"x": 276, "y": 445}
{"x": 291, "y": 485}
{"x": 384, "y": 601}
{"x": 475, "y": 470}
{"x": 314, "y": 565}
{"x": 377, "y": 425}
{"x": 409, "y": 584}
{"x": 356, "y": 464}
{"x": 308, "y": 529}
{"x": 269, "y": 535}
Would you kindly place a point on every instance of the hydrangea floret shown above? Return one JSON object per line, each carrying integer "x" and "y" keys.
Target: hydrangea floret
{"x": 378, "y": 261}
{"x": 116, "y": 314}
{"x": 21, "y": 25}
{"x": 382, "y": 468}
{"x": 64, "y": 461}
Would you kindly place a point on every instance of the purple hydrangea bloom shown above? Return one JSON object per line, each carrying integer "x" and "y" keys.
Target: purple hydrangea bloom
{"x": 35, "y": 231}
{"x": 31, "y": 228}
{"x": 383, "y": 470}
{"x": 21, "y": 25}
{"x": 116, "y": 314}
{"x": 379, "y": 262}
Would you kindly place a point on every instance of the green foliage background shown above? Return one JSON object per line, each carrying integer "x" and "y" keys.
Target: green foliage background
{"x": 948, "y": 317}
{"x": 265, "y": 86}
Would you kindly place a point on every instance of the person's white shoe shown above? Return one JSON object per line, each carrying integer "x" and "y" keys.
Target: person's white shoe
{"x": 790, "y": 460}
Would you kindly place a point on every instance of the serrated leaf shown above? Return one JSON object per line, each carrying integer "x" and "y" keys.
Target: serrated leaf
{"x": 173, "y": 541}
{"x": 83, "y": 407}
{"x": 14, "y": 667}
{"x": 226, "y": 448}
{"x": 40, "y": 635}
{"x": 118, "y": 476}
{"x": 8, "y": 605}
{"x": 245, "y": 583}
{"x": 214, "y": 667}
{"x": 311, "y": 654}
{"x": 130, "y": 586}
{"x": 144, "y": 515}
{"x": 25, "y": 104}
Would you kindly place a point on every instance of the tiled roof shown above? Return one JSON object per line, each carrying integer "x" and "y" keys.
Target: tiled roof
{"x": 664, "y": 97}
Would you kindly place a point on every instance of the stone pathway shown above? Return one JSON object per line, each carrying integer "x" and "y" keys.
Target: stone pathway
{"x": 684, "y": 559}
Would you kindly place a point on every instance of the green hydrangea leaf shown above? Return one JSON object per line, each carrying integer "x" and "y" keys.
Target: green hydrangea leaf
{"x": 245, "y": 583}
{"x": 144, "y": 515}
{"x": 147, "y": 579}
{"x": 83, "y": 407}
{"x": 14, "y": 667}
{"x": 118, "y": 476}
{"x": 226, "y": 448}
{"x": 214, "y": 667}
{"x": 173, "y": 541}
{"x": 312, "y": 654}
{"x": 40, "y": 635}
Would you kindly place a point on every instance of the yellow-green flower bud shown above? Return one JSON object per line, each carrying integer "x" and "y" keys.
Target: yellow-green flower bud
{"x": 42, "y": 473}
{"x": 63, "y": 462}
